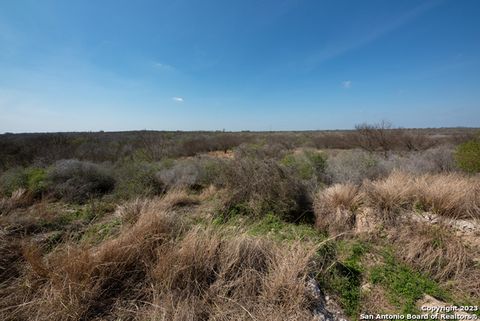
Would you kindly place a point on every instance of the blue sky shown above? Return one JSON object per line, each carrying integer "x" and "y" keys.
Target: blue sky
{"x": 237, "y": 65}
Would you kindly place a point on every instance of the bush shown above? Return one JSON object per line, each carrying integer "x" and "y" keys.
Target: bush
{"x": 260, "y": 150}
{"x": 261, "y": 186}
{"x": 137, "y": 178}
{"x": 76, "y": 181}
{"x": 30, "y": 178}
{"x": 191, "y": 173}
{"x": 442, "y": 158}
{"x": 307, "y": 164}
{"x": 354, "y": 166}
{"x": 36, "y": 180}
{"x": 12, "y": 180}
{"x": 467, "y": 156}
{"x": 434, "y": 160}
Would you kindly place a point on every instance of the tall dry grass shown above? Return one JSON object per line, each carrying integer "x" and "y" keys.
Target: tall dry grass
{"x": 211, "y": 276}
{"x": 335, "y": 207}
{"x": 432, "y": 249}
{"x": 157, "y": 269}
{"x": 451, "y": 195}
{"x": 439, "y": 253}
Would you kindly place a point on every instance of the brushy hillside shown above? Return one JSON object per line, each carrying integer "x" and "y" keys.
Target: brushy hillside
{"x": 268, "y": 226}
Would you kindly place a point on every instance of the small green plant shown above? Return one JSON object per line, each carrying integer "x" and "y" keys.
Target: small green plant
{"x": 31, "y": 178}
{"x": 404, "y": 285}
{"x": 273, "y": 226}
{"x": 36, "y": 180}
{"x": 307, "y": 165}
{"x": 231, "y": 214}
{"x": 318, "y": 161}
{"x": 344, "y": 278}
{"x": 467, "y": 156}
{"x": 83, "y": 214}
{"x": 101, "y": 231}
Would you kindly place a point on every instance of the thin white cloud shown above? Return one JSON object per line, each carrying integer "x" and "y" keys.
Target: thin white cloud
{"x": 161, "y": 66}
{"x": 178, "y": 99}
{"x": 347, "y": 84}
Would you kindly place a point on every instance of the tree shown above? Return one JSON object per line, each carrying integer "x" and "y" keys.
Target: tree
{"x": 373, "y": 137}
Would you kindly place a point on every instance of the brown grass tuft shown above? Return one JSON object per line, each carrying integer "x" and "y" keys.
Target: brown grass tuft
{"x": 153, "y": 270}
{"x": 391, "y": 194}
{"x": 436, "y": 251}
{"x": 335, "y": 207}
{"x": 431, "y": 249}
{"x": 19, "y": 198}
{"x": 453, "y": 195}
{"x": 240, "y": 278}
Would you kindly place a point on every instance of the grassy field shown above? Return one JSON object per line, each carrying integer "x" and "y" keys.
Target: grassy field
{"x": 321, "y": 225}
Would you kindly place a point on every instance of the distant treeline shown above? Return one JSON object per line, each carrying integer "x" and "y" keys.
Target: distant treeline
{"x": 46, "y": 148}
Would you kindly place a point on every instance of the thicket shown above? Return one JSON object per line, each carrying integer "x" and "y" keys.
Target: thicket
{"x": 41, "y": 150}
{"x": 468, "y": 156}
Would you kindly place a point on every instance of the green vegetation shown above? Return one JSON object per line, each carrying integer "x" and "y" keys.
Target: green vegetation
{"x": 136, "y": 178}
{"x": 468, "y": 156}
{"x": 344, "y": 278}
{"x": 96, "y": 233}
{"x": 83, "y": 214}
{"x": 216, "y": 224}
{"x": 32, "y": 179}
{"x": 271, "y": 225}
{"x": 307, "y": 165}
{"x": 404, "y": 285}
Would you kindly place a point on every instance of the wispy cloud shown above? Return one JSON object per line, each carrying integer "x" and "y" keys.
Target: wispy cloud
{"x": 178, "y": 99}
{"x": 347, "y": 84}
{"x": 337, "y": 49}
{"x": 161, "y": 66}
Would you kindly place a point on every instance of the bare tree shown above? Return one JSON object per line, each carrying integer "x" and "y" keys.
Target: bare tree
{"x": 153, "y": 144}
{"x": 373, "y": 137}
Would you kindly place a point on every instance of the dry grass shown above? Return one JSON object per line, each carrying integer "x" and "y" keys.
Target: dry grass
{"x": 431, "y": 249}
{"x": 452, "y": 195}
{"x": 157, "y": 271}
{"x": 215, "y": 277}
{"x": 130, "y": 211}
{"x": 73, "y": 282}
{"x": 335, "y": 207}
{"x": 19, "y": 198}
{"x": 437, "y": 252}
{"x": 391, "y": 194}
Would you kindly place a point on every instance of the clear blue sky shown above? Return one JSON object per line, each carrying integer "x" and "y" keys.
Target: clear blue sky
{"x": 250, "y": 64}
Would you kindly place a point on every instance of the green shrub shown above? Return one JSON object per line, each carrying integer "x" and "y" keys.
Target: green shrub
{"x": 13, "y": 179}
{"x": 262, "y": 186}
{"x": 76, "y": 181}
{"x": 317, "y": 160}
{"x": 136, "y": 178}
{"x": 31, "y": 178}
{"x": 36, "y": 180}
{"x": 467, "y": 156}
{"x": 307, "y": 165}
